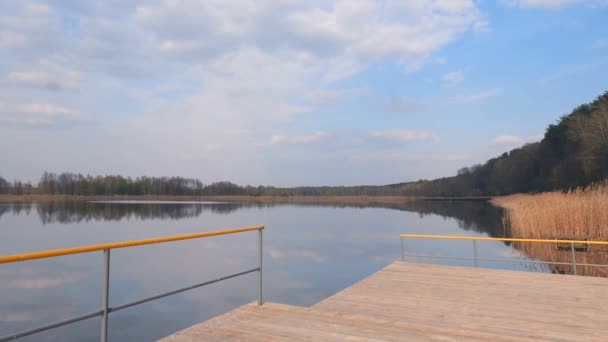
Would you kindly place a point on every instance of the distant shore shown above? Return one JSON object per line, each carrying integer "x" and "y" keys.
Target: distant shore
{"x": 258, "y": 199}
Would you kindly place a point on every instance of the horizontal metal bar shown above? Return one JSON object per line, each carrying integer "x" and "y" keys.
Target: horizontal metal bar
{"x": 501, "y": 260}
{"x": 49, "y": 326}
{"x": 166, "y": 294}
{"x": 455, "y": 237}
{"x": 92, "y": 248}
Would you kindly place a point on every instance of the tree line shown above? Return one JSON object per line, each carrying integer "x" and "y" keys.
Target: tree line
{"x": 73, "y": 184}
{"x": 573, "y": 153}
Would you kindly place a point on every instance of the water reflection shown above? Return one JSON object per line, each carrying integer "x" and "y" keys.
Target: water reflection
{"x": 477, "y": 216}
{"x": 68, "y": 212}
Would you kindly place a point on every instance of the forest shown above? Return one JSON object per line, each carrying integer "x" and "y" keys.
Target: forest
{"x": 573, "y": 153}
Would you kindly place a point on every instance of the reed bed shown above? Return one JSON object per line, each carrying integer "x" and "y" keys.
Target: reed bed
{"x": 577, "y": 214}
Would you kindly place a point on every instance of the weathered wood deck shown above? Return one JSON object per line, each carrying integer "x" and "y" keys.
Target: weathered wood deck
{"x": 429, "y": 303}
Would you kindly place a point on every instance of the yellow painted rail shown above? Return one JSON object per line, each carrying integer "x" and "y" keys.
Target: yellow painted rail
{"x": 474, "y": 238}
{"x": 113, "y": 245}
{"x": 573, "y": 246}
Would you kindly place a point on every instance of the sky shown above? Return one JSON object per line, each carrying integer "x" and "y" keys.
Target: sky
{"x": 288, "y": 92}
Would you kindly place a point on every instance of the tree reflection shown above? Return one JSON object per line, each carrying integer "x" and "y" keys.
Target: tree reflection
{"x": 16, "y": 208}
{"x": 75, "y": 211}
{"x": 477, "y": 216}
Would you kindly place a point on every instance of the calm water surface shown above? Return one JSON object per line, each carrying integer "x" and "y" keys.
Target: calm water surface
{"x": 310, "y": 253}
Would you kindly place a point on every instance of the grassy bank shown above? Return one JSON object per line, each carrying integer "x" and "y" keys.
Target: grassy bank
{"x": 580, "y": 214}
{"x": 256, "y": 199}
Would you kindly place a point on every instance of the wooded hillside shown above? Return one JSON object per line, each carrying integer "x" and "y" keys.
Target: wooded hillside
{"x": 573, "y": 153}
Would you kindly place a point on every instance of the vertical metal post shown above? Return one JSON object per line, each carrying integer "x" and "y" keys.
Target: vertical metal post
{"x": 105, "y": 288}
{"x": 402, "y": 250}
{"x": 260, "y": 300}
{"x": 573, "y": 258}
{"x": 475, "y": 252}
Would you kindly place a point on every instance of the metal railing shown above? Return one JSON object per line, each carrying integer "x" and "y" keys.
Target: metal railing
{"x": 106, "y": 248}
{"x": 572, "y": 245}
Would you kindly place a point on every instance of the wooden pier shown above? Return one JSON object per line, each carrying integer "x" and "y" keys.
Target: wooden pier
{"x": 422, "y": 302}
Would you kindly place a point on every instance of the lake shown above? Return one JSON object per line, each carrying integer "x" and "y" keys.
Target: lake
{"x": 310, "y": 252}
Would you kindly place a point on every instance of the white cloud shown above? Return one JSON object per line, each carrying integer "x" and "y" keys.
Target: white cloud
{"x": 405, "y": 135}
{"x": 404, "y": 157}
{"x": 43, "y": 79}
{"x": 508, "y": 140}
{"x": 372, "y": 29}
{"x": 28, "y": 29}
{"x": 403, "y": 105}
{"x": 345, "y": 34}
{"x": 240, "y": 98}
{"x": 438, "y": 60}
{"x": 212, "y": 147}
{"x": 11, "y": 40}
{"x": 550, "y": 4}
{"x": 570, "y": 71}
{"x": 321, "y": 40}
{"x": 515, "y": 140}
{"x": 475, "y": 96}
{"x": 482, "y": 26}
{"x": 536, "y": 137}
{"x": 347, "y": 142}
{"x": 38, "y": 114}
{"x": 331, "y": 96}
{"x": 456, "y": 156}
{"x": 454, "y": 77}
{"x": 301, "y": 139}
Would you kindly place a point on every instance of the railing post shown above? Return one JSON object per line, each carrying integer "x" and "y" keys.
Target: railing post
{"x": 475, "y": 252}
{"x": 260, "y": 299}
{"x": 402, "y": 250}
{"x": 105, "y": 288}
{"x": 573, "y": 258}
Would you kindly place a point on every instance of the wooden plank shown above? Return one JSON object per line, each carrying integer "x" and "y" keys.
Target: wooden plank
{"x": 429, "y": 302}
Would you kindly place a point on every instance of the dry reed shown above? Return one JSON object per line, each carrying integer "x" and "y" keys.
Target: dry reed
{"x": 576, "y": 214}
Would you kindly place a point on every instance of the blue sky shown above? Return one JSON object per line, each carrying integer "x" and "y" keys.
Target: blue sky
{"x": 288, "y": 92}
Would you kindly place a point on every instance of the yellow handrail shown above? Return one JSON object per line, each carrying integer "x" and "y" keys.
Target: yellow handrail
{"x": 454, "y": 237}
{"x": 113, "y": 245}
